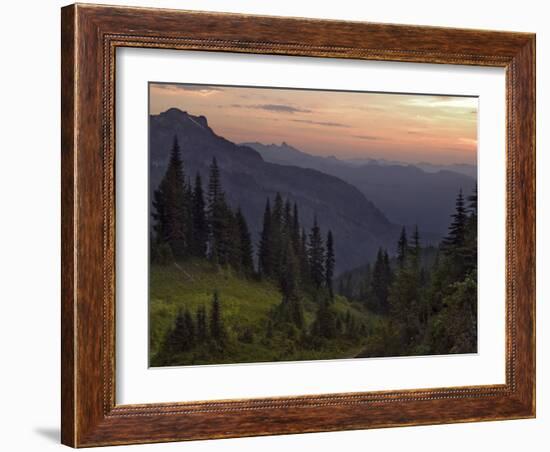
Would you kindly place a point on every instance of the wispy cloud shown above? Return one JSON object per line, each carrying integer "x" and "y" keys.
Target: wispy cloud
{"x": 202, "y": 90}
{"x": 442, "y": 101}
{"x": 320, "y": 123}
{"x": 367, "y": 137}
{"x": 278, "y": 108}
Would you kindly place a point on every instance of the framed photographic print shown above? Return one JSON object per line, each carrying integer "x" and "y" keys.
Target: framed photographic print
{"x": 279, "y": 225}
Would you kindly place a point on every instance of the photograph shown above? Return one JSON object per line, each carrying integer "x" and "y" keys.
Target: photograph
{"x": 276, "y": 221}
{"x": 297, "y": 224}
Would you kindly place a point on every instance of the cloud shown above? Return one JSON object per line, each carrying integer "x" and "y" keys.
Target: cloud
{"x": 278, "y": 108}
{"x": 367, "y": 137}
{"x": 202, "y": 90}
{"x": 320, "y": 123}
{"x": 442, "y": 101}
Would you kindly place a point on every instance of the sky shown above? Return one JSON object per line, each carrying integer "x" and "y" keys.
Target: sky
{"x": 410, "y": 128}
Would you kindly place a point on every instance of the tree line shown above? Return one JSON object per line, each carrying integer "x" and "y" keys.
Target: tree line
{"x": 425, "y": 296}
{"x": 190, "y": 224}
{"x": 191, "y": 330}
{"x": 428, "y": 307}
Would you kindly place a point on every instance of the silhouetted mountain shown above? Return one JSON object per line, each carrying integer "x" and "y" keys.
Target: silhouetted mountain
{"x": 460, "y": 168}
{"x": 405, "y": 193}
{"x": 358, "y": 226}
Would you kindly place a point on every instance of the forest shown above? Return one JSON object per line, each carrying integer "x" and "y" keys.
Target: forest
{"x": 217, "y": 297}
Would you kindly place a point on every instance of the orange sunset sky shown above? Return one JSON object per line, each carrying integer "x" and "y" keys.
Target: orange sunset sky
{"x": 410, "y": 128}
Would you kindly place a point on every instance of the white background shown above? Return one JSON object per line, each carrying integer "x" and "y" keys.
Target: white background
{"x": 29, "y": 390}
{"x": 138, "y": 384}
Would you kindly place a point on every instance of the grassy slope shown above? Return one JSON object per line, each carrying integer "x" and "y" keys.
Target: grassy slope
{"x": 245, "y": 304}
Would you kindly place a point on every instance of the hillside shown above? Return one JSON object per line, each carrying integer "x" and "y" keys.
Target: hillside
{"x": 358, "y": 225}
{"x": 246, "y": 306}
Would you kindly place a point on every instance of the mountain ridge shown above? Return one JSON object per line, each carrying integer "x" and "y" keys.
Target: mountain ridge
{"x": 248, "y": 180}
{"x": 407, "y": 194}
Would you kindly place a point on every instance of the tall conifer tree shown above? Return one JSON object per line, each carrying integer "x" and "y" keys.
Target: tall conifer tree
{"x": 381, "y": 279}
{"x": 329, "y": 265}
{"x": 415, "y": 247}
{"x": 402, "y": 248}
{"x": 202, "y": 329}
{"x": 265, "y": 248}
{"x": 457, "y": 229}
{"x": 171, "y": 206}
{"x": 220, "y": 219}
{"x": 217, "y": 331}
{"x": 296, "y": 229}
{"x": 277, "y": 235}
{"x": 316, "y": 255}
{"x": 189, "y": 328}
{"x": 245, "y": 244}
{"x": 200, "y": 225}
{"x": 305, "y": 274}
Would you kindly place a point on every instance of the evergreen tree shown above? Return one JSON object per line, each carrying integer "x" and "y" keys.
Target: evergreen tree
{"x": 404, "y": 299}
{"x": 470, "y": 252}
{"x": 176, "y": 340}
{"x": 231, "y": 240}
{"x": 223, "y": 229}
{"x": 296, "y": 229}
{"x": 364, "y": 289}
{"x": 265, "y": 245}
{"x": 215, "y": 192}
{"x": 454, "y": 243}
{"x": 402, "y": 248}
{"x": 288, "y": 222}
{"x": 291, "y": 309}
{"x": 171, "y": 206}
{"x": 245, "y": 244}
{"x": 472, "y": 200}
{"x": 329, "y": 265}
{"x": 277, "y": 236}
{"x": 305, "y": 274}
{"x": 381, "y": 280}
{"x": 289, "y": 280}
{"x": 455, "y": 237}
{"x": 326, "y": 319}
{"x": 189, "y": 328}
{"x": 200, "y": 224}
{"x": 216, "y": 199}
{"x": 316, "y": 255}
{"x": 189, "y": 220}
{"x": 415, "y": 247}
{"x": 217, "y": 331}
{"x": 182, "y": 336}
{"x": 202, "y": 329}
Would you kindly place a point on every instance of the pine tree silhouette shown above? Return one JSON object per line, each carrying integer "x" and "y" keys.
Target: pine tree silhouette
{"x": 329, "y": 265}
{"x": 265, "y": 245}
{"x": 200, "y": 225}
{"x": 316, "y": 255}
{"x": 245, "y": 244}
{"x": 402, "y": 248}
{"x": 170, "y": 205}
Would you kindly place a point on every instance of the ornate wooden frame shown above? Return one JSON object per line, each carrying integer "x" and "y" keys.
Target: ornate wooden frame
{"x": 90, "y": 35}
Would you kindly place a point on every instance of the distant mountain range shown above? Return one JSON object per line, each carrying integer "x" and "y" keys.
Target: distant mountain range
{"x": 422, "y": 194}
{"x": 460, "y": 168}
{"x": 359, "y": 227}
